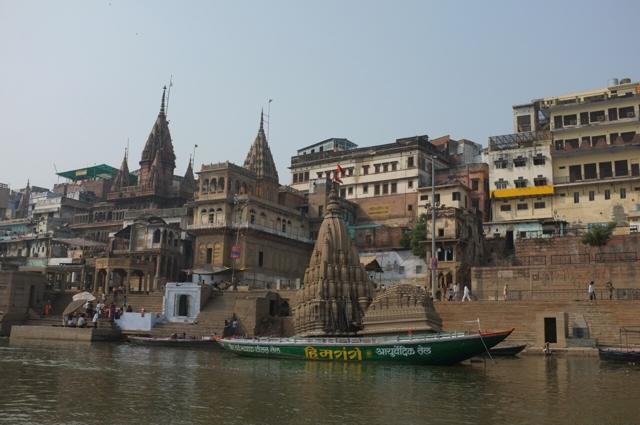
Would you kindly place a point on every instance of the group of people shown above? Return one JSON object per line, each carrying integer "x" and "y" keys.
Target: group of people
{"x": 452, "y": 292}
{"x": 591, "y": 290}
{"x": 101, "y": 310}
{"x": 231, "y": 327}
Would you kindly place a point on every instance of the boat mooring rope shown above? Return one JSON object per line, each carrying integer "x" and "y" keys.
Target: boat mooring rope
{"x": 481, "y": 339}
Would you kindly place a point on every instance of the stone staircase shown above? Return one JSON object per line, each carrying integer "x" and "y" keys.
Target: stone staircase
{"x": 151, "y": 303}
{"x": 210, "y": 321}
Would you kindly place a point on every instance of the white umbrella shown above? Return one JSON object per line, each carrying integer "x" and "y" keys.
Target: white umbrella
{"x": 84, "y": 296}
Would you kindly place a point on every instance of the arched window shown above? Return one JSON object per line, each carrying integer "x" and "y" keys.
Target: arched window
{"x": 212, "y": 216}
{"x": 156, "y": 236}
{"x": 221, "y": 184}
{"x": 164, "y": 236}
{"x": 219, "y": 216}
{"x": 252, "y": 216}
{"x": 205, "y": 186}
{"x": 203, "y": 216}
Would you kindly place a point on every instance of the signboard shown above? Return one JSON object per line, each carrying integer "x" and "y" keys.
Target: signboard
{"x": 235, "y": 252}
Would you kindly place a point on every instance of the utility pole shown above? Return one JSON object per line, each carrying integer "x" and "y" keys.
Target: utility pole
{"x": 433, "y": 227}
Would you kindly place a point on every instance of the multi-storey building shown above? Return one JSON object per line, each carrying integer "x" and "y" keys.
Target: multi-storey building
{"x": 521, "y": 181}
{"x": 244, "y": 220}
{"x": 591, "y": 168}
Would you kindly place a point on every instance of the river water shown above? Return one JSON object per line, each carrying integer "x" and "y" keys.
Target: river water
{"x": 70, "y": 383}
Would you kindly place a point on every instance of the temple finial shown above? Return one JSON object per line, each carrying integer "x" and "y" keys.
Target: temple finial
{"x": 262, "y": 119}
{"x": 164, "y": 91}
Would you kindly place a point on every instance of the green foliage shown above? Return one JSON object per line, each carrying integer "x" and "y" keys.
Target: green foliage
{"x": 598, "y": 235}
{"x": 416, "y": 235}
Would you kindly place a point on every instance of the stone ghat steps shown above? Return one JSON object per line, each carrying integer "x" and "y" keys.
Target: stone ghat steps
{"x": 210, "y": 321}
{"x": 603, "y": 319}
{"x": 151, "y": 302}
{"x": 45, "y": 321}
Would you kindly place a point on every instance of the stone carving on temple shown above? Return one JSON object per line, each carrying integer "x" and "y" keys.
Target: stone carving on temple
{"x": 337, "y": 289}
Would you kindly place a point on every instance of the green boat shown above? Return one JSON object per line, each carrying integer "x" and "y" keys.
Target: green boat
{"x": 445, "y": 348}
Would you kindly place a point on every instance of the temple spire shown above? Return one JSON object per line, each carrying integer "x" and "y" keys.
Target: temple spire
{"x": 164, "y": 91}
{"x": 261, "y": 120}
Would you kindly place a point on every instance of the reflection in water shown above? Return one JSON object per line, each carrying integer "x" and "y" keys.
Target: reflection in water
{"x": 107, "y": 383}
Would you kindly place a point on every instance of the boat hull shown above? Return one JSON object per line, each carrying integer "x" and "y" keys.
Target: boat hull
{"x": 441, "y": 349}
{"x": 175, "y": 342}
{"x": 617, "y": 355}
{"x": 510, "y": 351}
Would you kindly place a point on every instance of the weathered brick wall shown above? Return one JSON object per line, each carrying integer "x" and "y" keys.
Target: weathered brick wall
{"x": 567, "y": 245}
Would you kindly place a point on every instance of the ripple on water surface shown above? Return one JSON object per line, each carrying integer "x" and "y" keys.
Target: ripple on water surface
{"x": 113, "y": 384}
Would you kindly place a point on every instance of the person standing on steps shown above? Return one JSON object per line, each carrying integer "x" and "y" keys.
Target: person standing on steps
{"x": 465, "y": 293}
{"x": 610, "y": 289}
{"x": 592, "y": 291}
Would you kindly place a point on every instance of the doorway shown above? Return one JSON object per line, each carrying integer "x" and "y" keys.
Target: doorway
{"x": 183, "y": 305}
{"x": 550, "y": 335}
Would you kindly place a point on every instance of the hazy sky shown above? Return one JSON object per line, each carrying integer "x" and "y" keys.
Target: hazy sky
{"x": 79, "y": 78}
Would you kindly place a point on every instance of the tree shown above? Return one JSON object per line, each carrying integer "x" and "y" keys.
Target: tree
{"x": 598, "y": 235}
{"x": 415, "y": 236}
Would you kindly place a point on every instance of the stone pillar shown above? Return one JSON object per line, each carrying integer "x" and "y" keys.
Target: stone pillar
{"x": 107, "y": 278}
{"x": 157, "y": 275}
{"x": 95, "y": 280}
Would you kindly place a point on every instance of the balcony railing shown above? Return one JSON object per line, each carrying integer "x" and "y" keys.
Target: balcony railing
{"x": 569, "y": 179}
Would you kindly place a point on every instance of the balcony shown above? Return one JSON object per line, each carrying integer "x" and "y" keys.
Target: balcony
{"x": 569, "y": 180}
{"x": 519, "y": 192}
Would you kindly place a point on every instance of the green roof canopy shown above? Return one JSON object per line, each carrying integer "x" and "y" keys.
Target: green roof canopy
{"x": 93, "y": 172}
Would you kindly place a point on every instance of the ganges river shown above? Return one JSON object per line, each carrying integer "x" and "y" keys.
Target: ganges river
{"x": 101, "y": 383}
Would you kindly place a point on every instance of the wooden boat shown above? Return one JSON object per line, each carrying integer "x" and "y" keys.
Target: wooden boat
{"x": 444, "y": 348}
{"x": 511, "y": 350}
{"x": 619, "y": 354}
{"x": 204, "y": 342}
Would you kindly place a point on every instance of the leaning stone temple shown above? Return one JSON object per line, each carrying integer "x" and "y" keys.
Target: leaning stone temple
{"x": 337, "y": 289}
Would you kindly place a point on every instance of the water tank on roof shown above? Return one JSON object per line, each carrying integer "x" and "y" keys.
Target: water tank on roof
{"x": 613, "y": 82}
{"x": 625, "y": 81}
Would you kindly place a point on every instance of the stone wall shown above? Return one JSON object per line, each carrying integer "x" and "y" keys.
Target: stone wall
{"x": 64, "y": 334}
{"x": 19, "y": 292}
{"x": 599, "y": 321}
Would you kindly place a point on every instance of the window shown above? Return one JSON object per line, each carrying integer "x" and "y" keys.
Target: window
{"x": 377, "y": 168}
{"x": 523, "y": 206}
{"x": 385, "y": 188}
{"x": 540, "y": 181}
{"x": 295, "y": 177}
{"x": 621, "y": 168}
{"x": 575, "y": 173}
{"x": 365, "y": 188}
{"x": 350, "y": 190}
{"x": 410, "y": 184}
{"x": 410, "y": 163}
{"x": 475, "y": 203}
{"x": 538, "y": 205}
{"x": 319, "y": 175}
{"x": 365, "y": 169}
{"x": 209, "y": 255}
{"x": 520, "y": 182}
{"x": 424, "y": 197}
{"x": 441, "y": 233}
{"x": 156, "y": 236}
{"x": 539, "y": 159}
{"x": 520, "y": 161}
{"x": 613, "y": 114}
{"x": 557, "y": 121}
{"x": 321, "y": 149}
{"x": 343, "y": 192}
{"x": 635, "y": 170}
{"x": 559, "y": 145}
{"x": 570, "y": 119}
{"x": 436, "y": 199}
{"x": 590, "y": 171}
{"x": 596, "y": 116}
{"x": 394, "y": 166}
{"x": 418, "y": 269}
{"x": 605, "y": 170}
{"x": 576, "y": 197}
{"x": 475, "y": 184}
{"x": 524, "y": 123}
{"x": 584, "y": 118}
{"x": 320, "y": 210}
{"x": 628, "y": 136}
{"x": 376, "y": 189}
{"x": 627, "y": 112}
{"x": 260, "y": 258}
{"x": 385, "y": 167}
{"x": 501, "y": 163}
{"x": 409, "y": 207}
{"x": 607, "y": 194}
{"x": 394, "y": 187}
{"x": 306, "y": 176}
{"x": 284, "y": 226}
{"x": 455, "y": 196}
{"x": 623, "y": 193}
{"x": 592, "y": 195}
{"x": 501, "y": 184}
{"x": 506, "y": 207}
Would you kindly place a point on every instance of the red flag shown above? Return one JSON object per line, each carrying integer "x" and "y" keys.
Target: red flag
{"x": 338, "y": 174}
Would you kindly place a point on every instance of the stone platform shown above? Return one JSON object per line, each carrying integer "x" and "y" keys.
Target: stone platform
{"x": 55, "y": 333}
